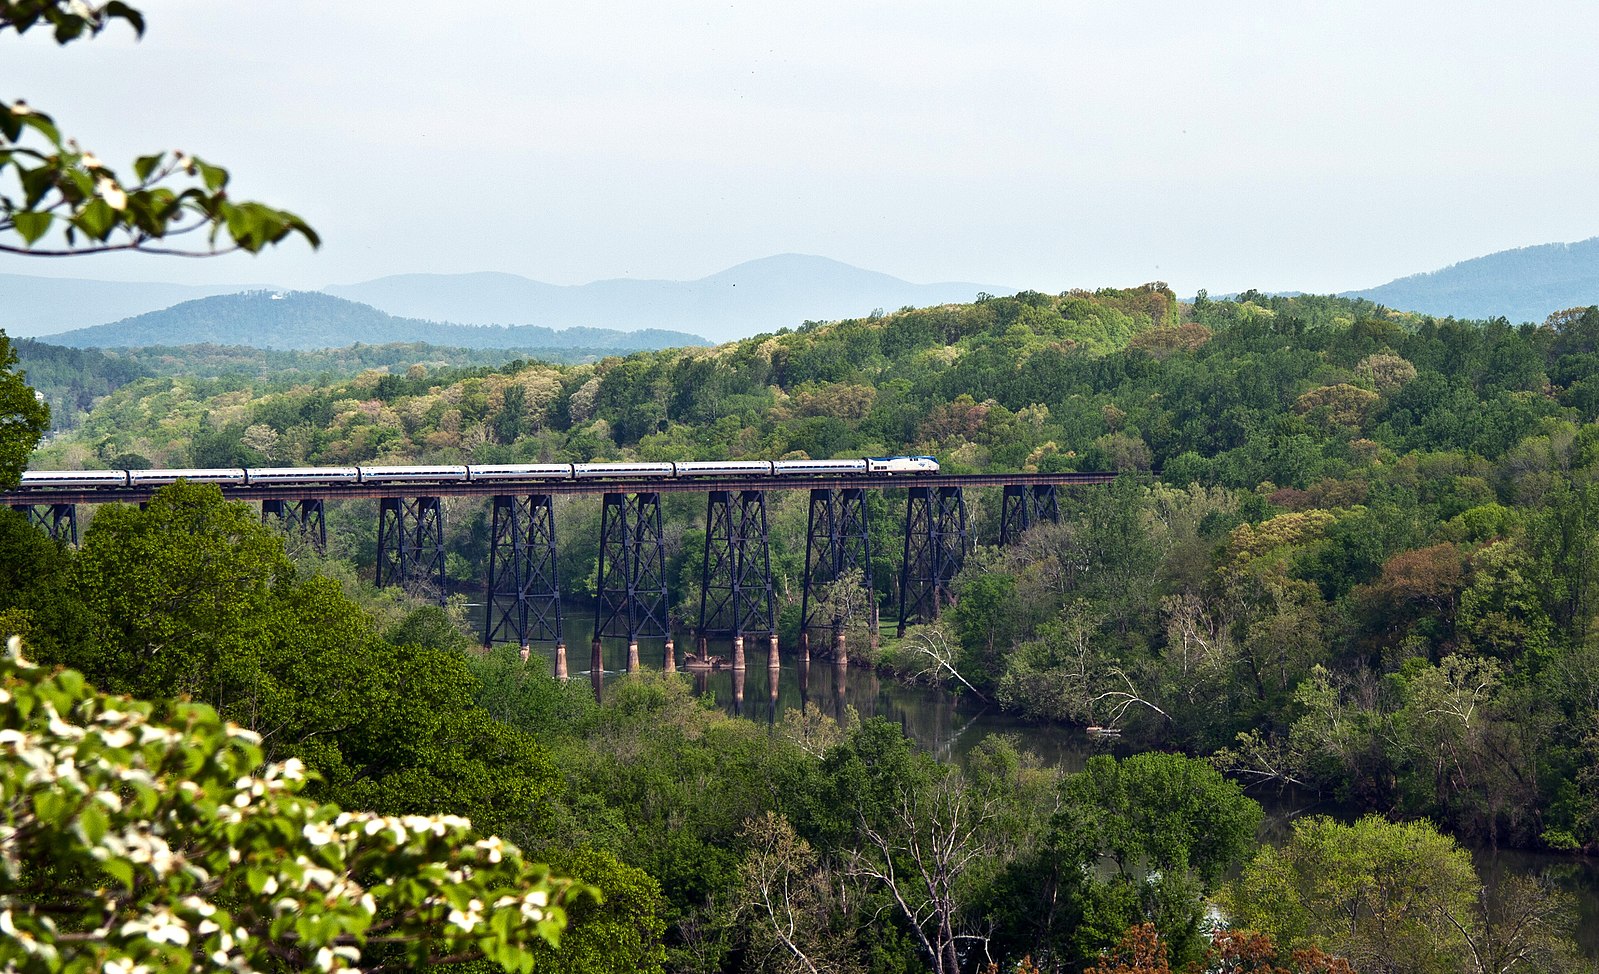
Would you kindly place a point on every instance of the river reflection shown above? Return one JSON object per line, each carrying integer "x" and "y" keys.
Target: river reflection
{"x": 949, "y": 725}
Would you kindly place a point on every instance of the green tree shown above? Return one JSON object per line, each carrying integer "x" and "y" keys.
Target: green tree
{"x": 1167, "y": 828}
{"x": 24, "y": 417}
{"x": 1378, "y": 892}
{"x": 194, "y": 596}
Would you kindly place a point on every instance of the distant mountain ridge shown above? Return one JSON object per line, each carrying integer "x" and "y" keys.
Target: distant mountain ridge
{"x": 1525, "y": 284}
{"x": 752, "y": 297}
{"x": 33, "y": 306}
{"x": 304, "y": 320}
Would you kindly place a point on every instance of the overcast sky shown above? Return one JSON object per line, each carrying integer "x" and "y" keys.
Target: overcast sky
{"x": 1318, "y": 146}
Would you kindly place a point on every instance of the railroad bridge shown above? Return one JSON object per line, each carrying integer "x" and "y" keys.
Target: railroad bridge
{"x": 524, "y": 595}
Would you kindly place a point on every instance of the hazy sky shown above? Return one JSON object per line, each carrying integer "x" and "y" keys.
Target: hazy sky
{"x": 1315, "y": 145}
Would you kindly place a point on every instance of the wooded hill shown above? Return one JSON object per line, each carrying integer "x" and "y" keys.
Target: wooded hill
{"x": 313, "y": 320}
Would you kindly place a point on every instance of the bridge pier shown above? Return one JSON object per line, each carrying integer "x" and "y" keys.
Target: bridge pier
{"x": 632, "y": 576}
{"x": 935, "y": 546}
{"x": 736, "y": 595}
{"x": 59, "y": 521}
{"x": 1023, "y": 506}
{"x": 411, "y": 545}
{"x": 836, "y": 542}
{"x": 524, "y": 591}
{"x": 304, "y": 516}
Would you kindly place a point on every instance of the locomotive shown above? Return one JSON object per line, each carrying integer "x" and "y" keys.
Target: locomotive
{"x": 476, "y": 473}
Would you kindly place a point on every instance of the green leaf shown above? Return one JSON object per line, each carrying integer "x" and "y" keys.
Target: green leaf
{"x": 135, "y": 19}
{"x": 93, "y": 821}
{"x": 214, "y": 177}
{"x": 119, "y": 869}
{"x": 145, "y": 165}
{"x": 50, "y": 806}
{"x": 32, "y": 226}
{"x": 97, "y": 219}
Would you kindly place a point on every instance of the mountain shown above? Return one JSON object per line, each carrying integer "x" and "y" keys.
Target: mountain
{"x": 311, "y": 319}
{"x": 1526, "y": 284}
{"x": 756, "y": 296}
{"x": 41, "y": 305}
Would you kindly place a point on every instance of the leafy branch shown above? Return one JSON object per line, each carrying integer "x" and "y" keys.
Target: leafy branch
{"x": 50, "y": 185}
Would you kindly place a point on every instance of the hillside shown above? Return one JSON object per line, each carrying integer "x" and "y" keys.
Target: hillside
{"x": 1347, "y": 498}
{"x": 72, "y": 380}
{"x": 1526, "y": 284}
{"x": 759, "y": 295}
{"x": 311, "y": 320}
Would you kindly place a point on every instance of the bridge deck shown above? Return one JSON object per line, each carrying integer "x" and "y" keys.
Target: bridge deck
{"x": 75, "y": 495}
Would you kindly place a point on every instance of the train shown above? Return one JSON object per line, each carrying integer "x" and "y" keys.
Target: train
{"x": 478, "y": 473}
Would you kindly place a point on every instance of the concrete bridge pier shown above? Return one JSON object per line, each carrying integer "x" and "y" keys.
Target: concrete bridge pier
{"x": 632, "y": 656}
{"x": 560, "y": 662}
{"x": 738, "y": 653}
{"x": 669, "y": 663}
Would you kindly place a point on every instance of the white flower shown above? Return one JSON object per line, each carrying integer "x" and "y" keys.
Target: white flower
{"x": 109, "y": 191}
{"x": 162, "y": 927}
{"x": 469, "y": 919}
{"x": 318, "y": 834}
{"x": 492, "y": 847}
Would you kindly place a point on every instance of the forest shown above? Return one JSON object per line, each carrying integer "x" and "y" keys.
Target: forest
{"x": 1352, "y": 553}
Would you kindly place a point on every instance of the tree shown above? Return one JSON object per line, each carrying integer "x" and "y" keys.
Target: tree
{"x": 1377, "y": 892}
{"x": 911, "y": 829}
{"x": 64, "y": 189}
{"x": 791, "y": 902}
{"x": 182, "y": 595}
{"x": 24, "y": 417}
{"x": 193, "y": 595}
{"x": 142, "y": 836}
{"x": 1167, "y": 828}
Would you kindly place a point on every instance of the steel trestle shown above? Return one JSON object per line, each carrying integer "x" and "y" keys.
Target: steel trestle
{"x": 1023, "y": 506}
{"x": 836, "y": 542}
{"x": 524, "y": 592}
{"x": 411, "y": 546}
{"x": 59, "y": 521}
{"x": 305, "y": 515}
{"x": 935, "y": 546}
{"x": 632, "y": 572}
{"x": 736, "y": 596}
